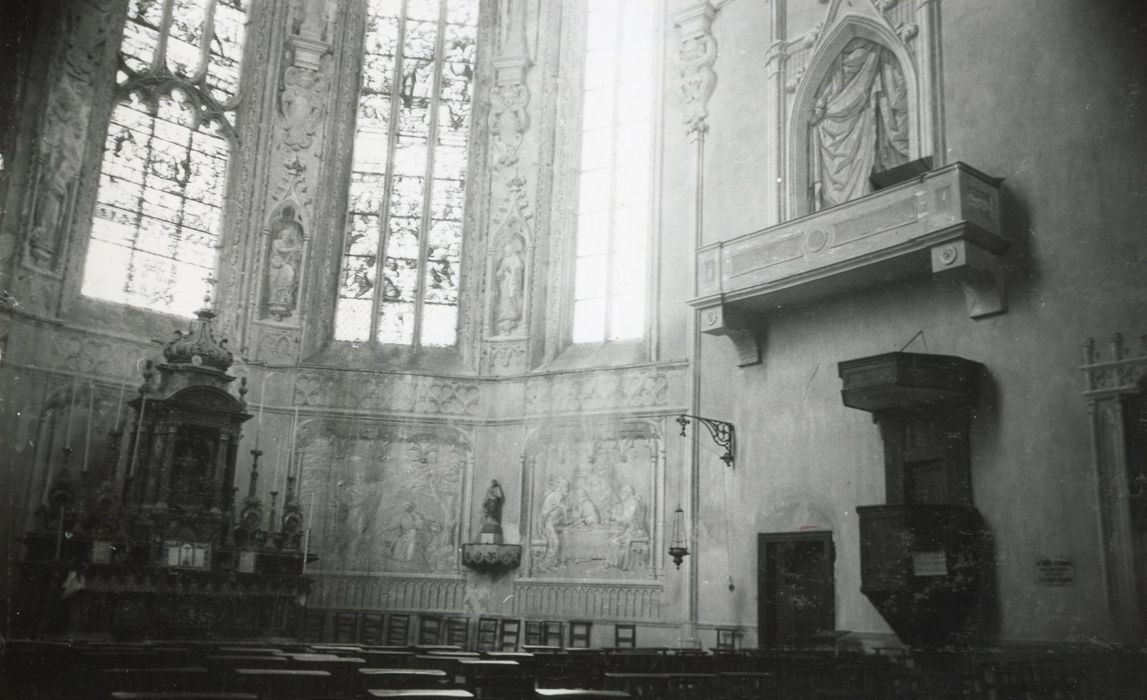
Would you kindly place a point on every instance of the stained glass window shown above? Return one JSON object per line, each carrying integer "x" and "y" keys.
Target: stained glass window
{"x": 614, "y": 175}
{"x": 404, "y": 226}
{"x": 156, "y": 227}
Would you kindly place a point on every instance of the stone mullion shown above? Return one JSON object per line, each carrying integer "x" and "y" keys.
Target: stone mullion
{"x": 697, "y": 53}
{"x": 250, "y": 170}
{"x": 76, "y": 223}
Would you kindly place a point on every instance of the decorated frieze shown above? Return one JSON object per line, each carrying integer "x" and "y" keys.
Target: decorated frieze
{"x": 595, "y": 601}
{"x": 644, "y": 387}
{"x": 389, "y": 592}
{"x": 37, "y": 347}
{"x": 391, "y": 393}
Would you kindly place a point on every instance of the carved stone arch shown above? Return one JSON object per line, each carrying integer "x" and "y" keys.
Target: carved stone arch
{"x": 828, "y": 47}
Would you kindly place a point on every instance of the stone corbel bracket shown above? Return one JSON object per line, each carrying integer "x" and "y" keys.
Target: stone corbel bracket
{"x": 977, "y": 271}
{"x": 744, "y": 328}
{"x": 945, "y": 222}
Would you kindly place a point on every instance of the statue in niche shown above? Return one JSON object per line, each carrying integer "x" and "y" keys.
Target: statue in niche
{"x": 859, "y": 123}
{"x": 511, "y": 276}
{"x": 61, "y": 166}
{"x": 492, "y": 509}
{"x": 284, "y": 260}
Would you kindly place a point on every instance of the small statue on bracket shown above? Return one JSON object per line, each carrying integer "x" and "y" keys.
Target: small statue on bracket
{"x": 492, "y": 514}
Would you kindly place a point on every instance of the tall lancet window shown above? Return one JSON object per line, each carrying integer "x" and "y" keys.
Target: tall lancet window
{"x": 403, "y": 242}
{"x": 859, "y": 123}
{"x": 613, "y": 211}
{"x": 163, "y": 178}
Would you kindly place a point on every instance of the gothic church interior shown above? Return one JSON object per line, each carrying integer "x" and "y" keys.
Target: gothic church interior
{"x": 741, "y": 327}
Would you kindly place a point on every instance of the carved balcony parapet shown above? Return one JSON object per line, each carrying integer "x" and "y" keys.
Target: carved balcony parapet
{"x": 945, "y": 222}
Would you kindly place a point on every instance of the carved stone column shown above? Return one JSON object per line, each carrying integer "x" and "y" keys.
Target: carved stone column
{"x": 278, "y": 290}
{"x": 77, "y": 88}
{"x": 696, "y": 54}
{"x": 511, "y": 245}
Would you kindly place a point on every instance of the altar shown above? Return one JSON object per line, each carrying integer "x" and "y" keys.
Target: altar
{"x": 163, "y": 548}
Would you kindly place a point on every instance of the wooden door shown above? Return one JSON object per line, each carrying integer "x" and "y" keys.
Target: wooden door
{"x": 795, "y": 587}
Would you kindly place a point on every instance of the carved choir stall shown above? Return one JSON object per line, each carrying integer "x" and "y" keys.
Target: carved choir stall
{"x": 159, "y": 550}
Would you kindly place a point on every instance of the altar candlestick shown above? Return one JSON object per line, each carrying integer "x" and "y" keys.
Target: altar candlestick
{"x": 262, "y": 403}
{"x": 278, "y": 465}
{"x": 307, "y": 532}
{"x": 119, "y": 405}
{"x": 294, "y": 441}
{"x": 60, "y": 534}
{"x": 68, "y": 435}
{"x": 138, "y": 436}
{"x": 88, "y": 432}
{"x": 51, "y": 438}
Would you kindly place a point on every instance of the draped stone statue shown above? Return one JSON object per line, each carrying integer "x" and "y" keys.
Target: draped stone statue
{"x": 286, "y": 254}
{"x": 859, "y": 123}
{"x": 492, "y": 512}
{"x": 511, "y": 276}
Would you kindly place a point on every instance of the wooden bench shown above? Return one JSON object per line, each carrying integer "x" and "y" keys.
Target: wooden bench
{"x": 578, "y": 693}
{"x": 128, "y": 695}
{"x": 282, "y": 683}
{"x": 424, "y": 693}
{"x": 399, "y": 678}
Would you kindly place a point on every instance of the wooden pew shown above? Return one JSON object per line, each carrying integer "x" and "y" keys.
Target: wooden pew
{"x": 281, "y": 683}
{"x": 171, "y": 680}
{"x": 579, "y": 693}
{"x": 420, "y": 694}
{"x": 400, "y": 678}
{"x": 189, "y": 695}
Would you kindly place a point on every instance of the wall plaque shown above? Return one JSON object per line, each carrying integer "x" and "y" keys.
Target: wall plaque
{"x": 1055, "y": 571}
{"x": 929, "y": 564}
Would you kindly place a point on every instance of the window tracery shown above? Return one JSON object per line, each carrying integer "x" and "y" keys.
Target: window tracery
{"x": 159, "y": 206}
{"x": 614, "y": 172}
{"x": 402, "y": 253}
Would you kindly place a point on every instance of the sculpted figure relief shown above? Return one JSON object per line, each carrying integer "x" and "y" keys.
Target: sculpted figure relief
{"x": 696, "y": 78}
{"x": 511, "y": 275}
{"x": 859, "y": 123}
{"x": 591, "y": 520}
{"x": 284, "y": 260}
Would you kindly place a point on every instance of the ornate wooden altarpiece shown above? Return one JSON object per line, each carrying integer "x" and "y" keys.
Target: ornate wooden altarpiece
{"x": 164, "y": 549}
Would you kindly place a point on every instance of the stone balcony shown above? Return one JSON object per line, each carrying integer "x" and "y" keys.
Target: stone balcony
{"x": 945, "y": 222}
